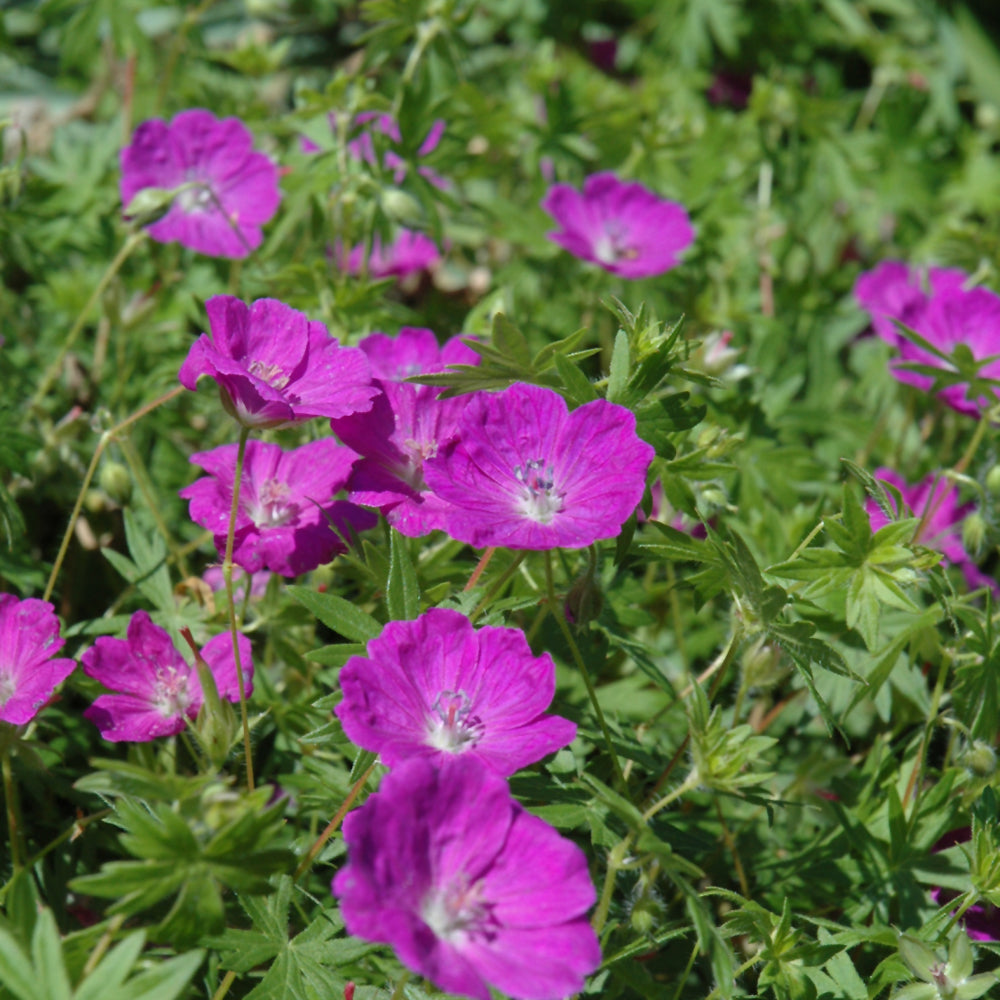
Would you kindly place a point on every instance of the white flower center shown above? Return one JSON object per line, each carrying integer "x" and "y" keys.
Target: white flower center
{"x": 452, "y": 727}
{"x": 170, "y": 692}
{"x": 273, "y": 508}
{"x": 458, "y": 912}
{"x": 6, "y": 688}
{"x": 197, "y": 198}
{"x": 272, "y": 374}
{"x": 612, "y": 245}
{"x": 539, "y": 500}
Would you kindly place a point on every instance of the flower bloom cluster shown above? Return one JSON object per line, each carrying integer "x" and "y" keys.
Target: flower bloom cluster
{"x": 443, "y": 864}
{"x": 157, "y": 688}
{"x": 621, "y": 226}
{"x": 935, "y": 502}
{"x": 29, "y": 669}
{"x": 407, "y": 424}
{"x": 935, "y": 304}
{"x": 224, "y": 190}
{"x": 408, "y": 253}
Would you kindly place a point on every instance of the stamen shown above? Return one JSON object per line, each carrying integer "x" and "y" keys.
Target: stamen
{"x": 540, "y": 501}
{"x": 272, "y": 374}
{"x": 452, "y": 727}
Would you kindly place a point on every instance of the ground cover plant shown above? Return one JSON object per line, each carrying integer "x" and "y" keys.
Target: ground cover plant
{"x": 499, "y": 500}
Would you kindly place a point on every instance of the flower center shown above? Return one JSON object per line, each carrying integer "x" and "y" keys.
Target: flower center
{"x": 197, "y": 198}
{"x": 6, "y": 688}
{"x": 272, "y": 374}
{"x": 170, "y": 693}
{"x": 458, "y": 911}
{"x": 273, "y": 508}
{"x": 540, "y": 500}
{"x": 452, "y": 727}
{"x": 613, "y": 244}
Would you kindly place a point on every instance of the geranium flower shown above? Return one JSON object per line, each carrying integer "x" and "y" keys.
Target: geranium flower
{"x": 158, "y": 688}
{"x": 437, "y": 687}
{"x": 276, "y": 367}
{"x": 981, "y": 920}
{"x": 406, "y": 424}
{"x": 362, "y": 147}
{"x": 620, "y": 225}
{"x": 525, "y": 473}
{"x": 894, "y": 290}
{"x": 288, "y": 521}
{"x": 29, "y": 638}
{"x": 935, "y": 501}
{"x": 469, "y": 889}
{"x": 409, "y": 253}
{"x": 951, "y": 318}
{"x": 227, "y": 190}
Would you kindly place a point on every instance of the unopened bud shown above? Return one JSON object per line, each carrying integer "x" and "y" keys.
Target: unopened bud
{"x": 993, "y": 481}
{"x": 980, "y": 759}
{"x": 149, "y": 205}
{"x": 645, "y": 914}
{"x": 400, "y": 206}
{"x": 116, "y": 481}
{"x": 974, "y": 534}
{"x": 763, "y": 665}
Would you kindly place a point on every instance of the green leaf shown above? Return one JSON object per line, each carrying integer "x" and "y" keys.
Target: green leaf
{"x": 402, "y": 596}
{"x": 620, "y": 366}
{"x": 113, "y": 969}
{"x": 338, "y": 614}
{"x": 52, "y": 982}
{"x": 16, "y": 972}
{"x": 578, "y": 387}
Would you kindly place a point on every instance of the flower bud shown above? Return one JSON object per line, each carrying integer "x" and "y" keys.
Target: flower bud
{"x": 974, "y": 533}
{"x": 763, "y": 665}
{"x": 980, "y": 759}
{"x": 993, "y": 481}
{"x": 645, "y": 915}
{"x": 116, "y": 481}
{"x": 149, "y": 205}
{"x": 400, "y": 206}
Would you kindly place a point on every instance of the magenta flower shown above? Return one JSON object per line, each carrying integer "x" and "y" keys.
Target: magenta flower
{"x": 29, "y": 638}
{"x": 158, "y": 688}
{"x": 469, "y": 889}
{"x": 436, "y": 687}
{"x": 896, "y": 291}
{"x": 227, "y": 191}
{"x": 288, "y": 521}
{"x": 409, "y": 253}
{"x": 406, "y": 425}
{"x": 619, "y": 225}
{"x": 935, "y": 502}
{"x": 524, "y": 473}
{"x": 981, "y": 920}
{"x": 256, "y": 583}
{"x": 276, "y": 367}
{"x": 951, "y": 318}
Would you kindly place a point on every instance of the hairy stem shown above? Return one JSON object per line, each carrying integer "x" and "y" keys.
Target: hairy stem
{"x": 227, "y": 575}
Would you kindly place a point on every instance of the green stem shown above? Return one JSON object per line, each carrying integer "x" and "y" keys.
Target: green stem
{"x": 618, "y": 854}
{"x": 973, "y": 447}
{"x": 334, "y": 823}
{"x": 227, "y": 575}
{"x": 585, "y": 674}
{"x": 914, "y": 787}
{"x": 106, "y": 438}
{"x": 498, "y": 585}
{"x": 52, "y": 372}
{"x": 397, "y": 993}
{"x": 13, "y": 824}
{"x": 480, "y": 566}
{"x": 690, "y": 782}
{"x": 227, "y": 981}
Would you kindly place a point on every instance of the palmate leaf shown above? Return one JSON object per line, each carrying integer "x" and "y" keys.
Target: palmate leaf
{"x": 301, "y": 966}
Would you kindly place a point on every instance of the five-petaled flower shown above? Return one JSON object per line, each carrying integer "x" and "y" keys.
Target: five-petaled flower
{"x": 224, "y": 190}
{"x": 276, "y": 367}
{"x": 407, "y": 424}
{"x": 157, "y": 688}
{"x": 437, "y": 687}
{"x": 469, "y": 889}
{"x": 524, "y": 472}
{"x": 408, "y": 253}
{"x": 896, "y": 291}
{"x": 935, "y": 501}
{"x": 620, "y": 225}
{"x": 29, "y": 639}
{"x": 288, "y": 521}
